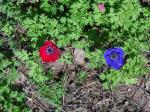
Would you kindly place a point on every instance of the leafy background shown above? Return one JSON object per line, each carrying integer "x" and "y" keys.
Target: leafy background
{"x": 26, "y": 24}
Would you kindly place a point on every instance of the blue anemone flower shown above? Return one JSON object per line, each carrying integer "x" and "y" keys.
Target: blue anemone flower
{"x": 114, "y": 57}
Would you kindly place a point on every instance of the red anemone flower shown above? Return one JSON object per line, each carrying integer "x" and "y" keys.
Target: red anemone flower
{"x": 49, "y": 52}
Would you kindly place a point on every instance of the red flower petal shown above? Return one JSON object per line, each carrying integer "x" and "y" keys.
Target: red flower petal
{"x": 49, "y": 57}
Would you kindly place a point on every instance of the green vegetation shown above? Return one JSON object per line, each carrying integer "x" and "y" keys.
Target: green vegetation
{"x": 26, "y": 24}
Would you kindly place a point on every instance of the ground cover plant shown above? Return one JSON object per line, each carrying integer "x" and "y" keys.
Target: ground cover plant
{"x": 38, "y": 40}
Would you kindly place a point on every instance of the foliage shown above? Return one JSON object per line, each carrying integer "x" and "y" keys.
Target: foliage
{"x": 66, "y": 57}
{"x": 35, "y": 71}
{"x": 11, "y": 99}
{"x": 75, "y": 23}
{"x": 82, "y": 76}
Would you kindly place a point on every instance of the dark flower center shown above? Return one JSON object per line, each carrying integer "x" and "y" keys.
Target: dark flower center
{"x": 114, "y": 55}
{"x": 49, "y": 50}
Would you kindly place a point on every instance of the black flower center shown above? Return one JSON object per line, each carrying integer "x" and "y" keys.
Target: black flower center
{"x": 49, "y": 50}
{"x": 114, "y": 55}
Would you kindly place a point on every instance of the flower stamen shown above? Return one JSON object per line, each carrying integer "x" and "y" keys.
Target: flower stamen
{"x": 49, "y": 50}
{"x": 114, "y": 56}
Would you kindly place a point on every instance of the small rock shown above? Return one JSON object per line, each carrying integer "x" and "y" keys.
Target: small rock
{"x": 129, "y": 90}
{"x": 79, "y": 56}
{"x": 126, "y": 103}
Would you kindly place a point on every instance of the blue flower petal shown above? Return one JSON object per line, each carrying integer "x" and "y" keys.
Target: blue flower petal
{"x": 114, "y": 63}
{"x": 116, "y": 49}
{"x": 120, "y": 51}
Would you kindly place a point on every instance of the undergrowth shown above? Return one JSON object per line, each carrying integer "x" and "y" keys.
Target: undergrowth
{"x": 76, "y": 23}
